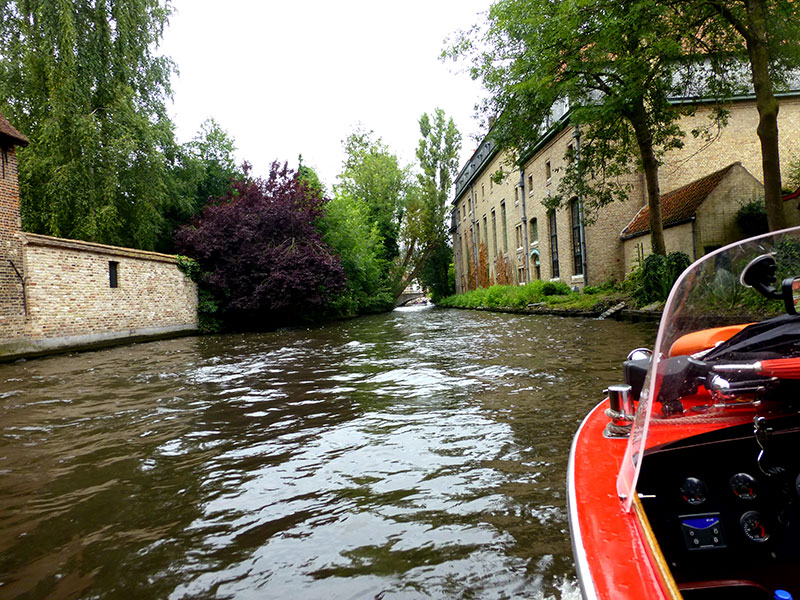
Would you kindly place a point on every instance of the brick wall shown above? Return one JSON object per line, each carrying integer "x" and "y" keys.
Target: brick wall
{"x": 679, "y": 238}
{"x": 57, "y": 293}
{"x": 12, "y": 308}
{"x": 478, "y": 217}
{"x": 71, "y": 302}
{"x": 606, "y": 256}
{"x": 737, "y": 142}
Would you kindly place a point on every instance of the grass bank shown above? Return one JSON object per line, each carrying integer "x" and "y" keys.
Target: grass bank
{"x": 542, "y": 297}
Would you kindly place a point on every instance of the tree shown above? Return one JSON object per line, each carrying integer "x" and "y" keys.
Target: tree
{"x": 614, "y": 62}
{"x": 373, "y": 175}
{"x": 264, "y": 259}
{"x": 212, "y": 150}
{"x": 204, "y": 171}
{"x": 437, "y": 274}
{"x": 769, "y": 30}
{"x": 424, "y": 227}
{"x": 347, "y": 228}
{"x": 310, "y": 177}
{"x": 81, "y": 80}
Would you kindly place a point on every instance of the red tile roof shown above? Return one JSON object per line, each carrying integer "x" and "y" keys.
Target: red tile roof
{"x": 7, "y": 131}
{"x": 678, "y": 205}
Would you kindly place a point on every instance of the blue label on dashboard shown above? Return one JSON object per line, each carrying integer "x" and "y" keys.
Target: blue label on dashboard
{"x": 701, "y": 522}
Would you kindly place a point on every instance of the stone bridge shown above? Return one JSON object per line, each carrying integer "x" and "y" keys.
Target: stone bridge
{"x": 407, "y": 297}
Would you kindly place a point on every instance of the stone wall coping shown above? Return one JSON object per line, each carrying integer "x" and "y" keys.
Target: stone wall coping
{"x": 35, "y": 239}
{"x": 25, "y": 348}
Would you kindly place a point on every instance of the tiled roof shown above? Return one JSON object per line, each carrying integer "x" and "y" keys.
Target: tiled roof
{"x": 7, "y": 130}
{"x": 678, "y": 205}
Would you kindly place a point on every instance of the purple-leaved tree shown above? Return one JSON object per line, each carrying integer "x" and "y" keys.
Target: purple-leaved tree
{"x": 260, "y": 249}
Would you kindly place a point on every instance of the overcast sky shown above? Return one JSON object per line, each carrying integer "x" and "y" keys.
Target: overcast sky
{"x": 285, "y": 78}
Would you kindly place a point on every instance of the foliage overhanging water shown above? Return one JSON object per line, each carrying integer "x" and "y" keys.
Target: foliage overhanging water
{"x": 416, "y": 454}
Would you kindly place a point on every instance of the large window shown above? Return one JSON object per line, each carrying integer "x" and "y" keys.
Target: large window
{"x": 554, "y": 244}
{"x": 577, "y": 236}
{"x": 505, "y": 226}
{"x": 494, "y": 234}
{"x": 534, "y": 231}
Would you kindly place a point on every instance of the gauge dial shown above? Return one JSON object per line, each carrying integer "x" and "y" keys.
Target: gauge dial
{"x": 753, "y": 527}
{"x": 744, "y": 486}
{"x": 693, "y": 491}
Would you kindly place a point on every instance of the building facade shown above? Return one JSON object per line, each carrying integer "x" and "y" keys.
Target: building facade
{"x": 500, "y": 222}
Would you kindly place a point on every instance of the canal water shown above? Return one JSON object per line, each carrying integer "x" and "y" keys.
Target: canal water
{"x": 417, "y": 454}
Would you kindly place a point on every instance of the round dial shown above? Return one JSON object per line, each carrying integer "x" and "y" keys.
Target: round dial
{"x": 693, "y": 491}
{"x": 753, "y": 527}
{"x": 744, "y": 486}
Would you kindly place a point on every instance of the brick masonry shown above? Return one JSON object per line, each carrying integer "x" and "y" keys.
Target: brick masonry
{"x": 606, "y": 256}
{"x": 67, "y": 299}
{"x": 12, "y": 308}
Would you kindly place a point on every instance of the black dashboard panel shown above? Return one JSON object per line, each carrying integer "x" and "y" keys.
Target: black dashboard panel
{"x": 717, "y": 515}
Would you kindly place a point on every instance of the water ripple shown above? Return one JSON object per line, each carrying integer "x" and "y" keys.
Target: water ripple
{"x": 419, "y": 453}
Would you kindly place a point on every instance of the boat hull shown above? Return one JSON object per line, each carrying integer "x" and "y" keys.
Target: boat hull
{"x": 614, "y": 558}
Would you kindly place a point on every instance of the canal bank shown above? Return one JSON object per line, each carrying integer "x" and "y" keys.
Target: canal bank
{"x": 618, "y": 311}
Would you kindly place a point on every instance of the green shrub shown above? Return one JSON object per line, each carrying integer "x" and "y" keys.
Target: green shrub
{"x": 787, "y": 256}
{"x": 677, "y": 263}
{"x": 752, "y": 218}
{"x": 555, "y": 288}
{"x": 208, "y": 312}
{"x": 495, "y": 296}
{"x": 655, "y": 276}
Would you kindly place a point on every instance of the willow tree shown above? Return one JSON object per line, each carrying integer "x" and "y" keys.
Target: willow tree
{"x": 763, "y": 34}
{"x": 81, "y": 80}
{"x": 614, "y": 63}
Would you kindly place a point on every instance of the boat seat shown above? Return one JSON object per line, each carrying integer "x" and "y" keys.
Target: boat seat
{"x": 703, "y": 339}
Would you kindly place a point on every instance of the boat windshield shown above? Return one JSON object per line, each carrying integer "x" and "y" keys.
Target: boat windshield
{"x": 723, "y": 349}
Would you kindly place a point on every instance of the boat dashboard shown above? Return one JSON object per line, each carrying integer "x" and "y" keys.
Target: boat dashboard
{"x": 725, "y": 509}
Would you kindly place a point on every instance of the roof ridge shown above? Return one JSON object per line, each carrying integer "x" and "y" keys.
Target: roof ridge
{"x": 679, "y": 204}
{"x": 7, "y": 130}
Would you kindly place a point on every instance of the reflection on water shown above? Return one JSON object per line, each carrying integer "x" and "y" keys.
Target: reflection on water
{"x": 416, "y": 454}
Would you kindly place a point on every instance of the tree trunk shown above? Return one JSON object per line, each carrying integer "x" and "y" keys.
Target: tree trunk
{"x": 407, "y": 277}
{"x": 644, "y": 139}
{"x": 767, "y": 113}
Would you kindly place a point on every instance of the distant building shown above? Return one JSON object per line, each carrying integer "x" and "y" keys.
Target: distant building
{"x": 502, "y": 232}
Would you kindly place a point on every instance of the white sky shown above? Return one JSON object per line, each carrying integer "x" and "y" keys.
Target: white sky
{"x": 297, "y": 76}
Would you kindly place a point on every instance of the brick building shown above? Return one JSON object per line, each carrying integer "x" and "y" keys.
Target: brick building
{"x": 701, "y": 216}
{"x": 57, "y": 294}
{"x": 500, "y": 223}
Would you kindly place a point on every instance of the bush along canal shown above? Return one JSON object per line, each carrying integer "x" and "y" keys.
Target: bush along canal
{"x": 420, "y": 453}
